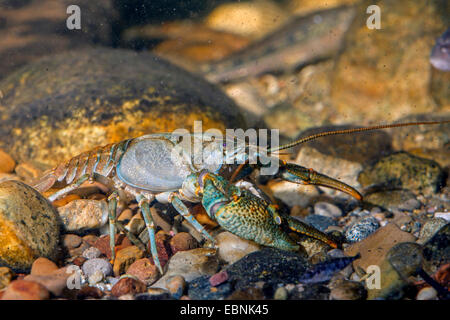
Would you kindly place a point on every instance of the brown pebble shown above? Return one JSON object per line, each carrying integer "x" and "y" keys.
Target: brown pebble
{"x": 218, "y": 278}
{"x": 126, "y": 214}
{"x": 25, "y": 290}
{"x": 75, "y": 252}
{"x": 28, "y": 171}
{"x": 91, "y": 239}
{"x": 124, "y": 258}
{"x": 71, "y": 241}
{"x": 54, "y": 282}
{"x": 163, "y": 247}
{"x": 202, "y": 217}
{"x": 102, "y": 244}
{"x": 183, "y": 241}
{"x": 347, "y": 290}
{"x": 6, "y": 275}
{"x": 7, "y": 163}
{"x": 78, "y": 261}
{"x": 43, "y": 266}
{"x": 89, "y": 292}
{"x": 128, "y": 286}
{"x": 97, "y": 196}
{"x": 62, "y": 202}
{"x": 144, "y": 270}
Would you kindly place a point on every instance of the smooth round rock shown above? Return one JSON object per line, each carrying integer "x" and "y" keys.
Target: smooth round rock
{"x": 362, "y": 229}
{"x": 85, "y": 98}
{"x": 25, "y": 290}
{"x": 404, "y": 171}
{"x": 233, "y": 248}
{"x": 42, "y": 266}
{"x": 91, "y": 253}
{"x": 29, "y": 226}
{"x": 93, "y": 265}
{"x": 427, "y": 293}
{"x": 7, "y": 163}
{"x": 348, "y": 290}
{"x": 406, "y": 258}
{"x": 327, "y": 209}
{"x": 145, "y": 270}
{"x": 394, "y": 199}
{"x": 430, "y": 228}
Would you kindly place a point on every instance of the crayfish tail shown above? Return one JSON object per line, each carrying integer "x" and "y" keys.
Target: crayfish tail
{"x": 45, "y": 182}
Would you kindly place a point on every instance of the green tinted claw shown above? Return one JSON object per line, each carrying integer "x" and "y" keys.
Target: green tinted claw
{"x": 250, "y": 217}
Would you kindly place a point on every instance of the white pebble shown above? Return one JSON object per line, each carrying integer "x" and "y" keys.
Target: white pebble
{"x": 427, "y": 293}
{"x": 443, "y": 215}
{"x": 96, "y": 277}
{"x": 327, "y": 209}
{"x": 91, "y": 253}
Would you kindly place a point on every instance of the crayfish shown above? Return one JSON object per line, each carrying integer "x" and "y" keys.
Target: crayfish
{"x": 148, "y": 169}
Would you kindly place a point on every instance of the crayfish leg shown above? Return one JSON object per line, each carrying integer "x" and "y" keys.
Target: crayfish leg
{"x": 150, "y": 226}
{"x": 184, "y": 211}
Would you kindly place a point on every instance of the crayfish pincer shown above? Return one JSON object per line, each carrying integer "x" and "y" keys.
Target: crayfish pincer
{"x": 250, "y": 217}
{"x": 148, "y": 170}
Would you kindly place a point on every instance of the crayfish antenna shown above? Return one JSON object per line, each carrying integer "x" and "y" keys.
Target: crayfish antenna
{"x": 354, "y": 130}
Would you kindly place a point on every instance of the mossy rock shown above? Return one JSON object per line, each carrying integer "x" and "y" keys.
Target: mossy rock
{"x": 404, "y": 171}
{"x": 62, "y": 105}
{"x": 29, "y": 226}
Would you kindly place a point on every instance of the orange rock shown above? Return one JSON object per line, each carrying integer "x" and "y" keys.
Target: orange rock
{"x": 29, "y": 226}
{"x": 144, "y": 270}
{"x": 126, "y": 214}
{"x": 6, "y": 275}
{"x": 54, "y": 282}
{"x": 200, "y": 214}
{"x": 7, "y": 163}
{"x": 183, "y": 241}
{"x": 128, "y": 286}
{"x": 102, "y": 244}
{"x": 43, "y": 266}
{"x": 25, "y": 290}
{"x": 124, "y": 258}
{"x": 65, "y": 200}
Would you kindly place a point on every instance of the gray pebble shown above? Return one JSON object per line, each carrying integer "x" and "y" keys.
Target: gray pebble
{"x": 92, "y": 265}
{"x": 327, "y": 210}
{"x": 427, "y": 293}
{"x": 96, "y": 277}
{"x": 430, "y": 228}
{"x": 336, "y": 253}
{"x": 91, "y": 253}
{"x": 361, "y": 229}
{"x": 410, "y": 205}
{"x": 320, "y": 222}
